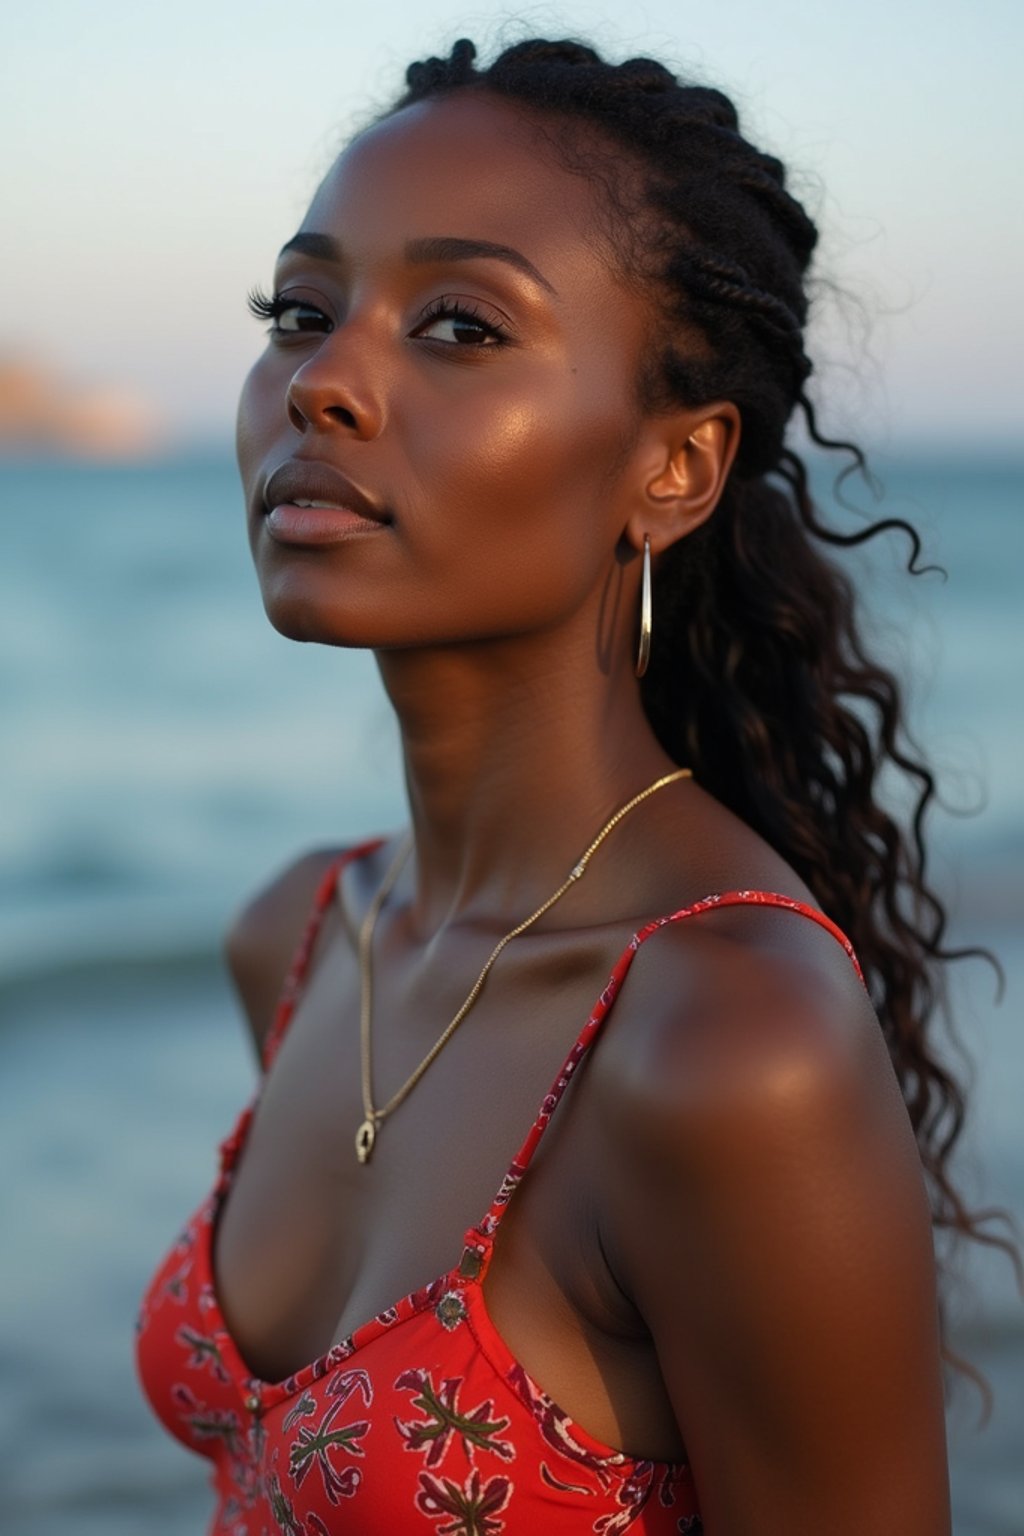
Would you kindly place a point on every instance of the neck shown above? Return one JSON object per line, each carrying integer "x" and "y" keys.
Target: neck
{"x": 510, "y": 771}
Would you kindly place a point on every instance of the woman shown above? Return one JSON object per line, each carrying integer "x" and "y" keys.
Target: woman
{"x": 539, "y": 336}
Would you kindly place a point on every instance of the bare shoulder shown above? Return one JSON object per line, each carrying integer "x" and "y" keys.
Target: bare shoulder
{"x": 768, "y": 1216}
{"x": 264, "y": 934}
{"x": 747, "y": 1001}
{"x": 735, "y": 1012}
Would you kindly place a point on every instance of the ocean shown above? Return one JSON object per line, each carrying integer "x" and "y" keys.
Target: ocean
{"x": 164, "y": 750}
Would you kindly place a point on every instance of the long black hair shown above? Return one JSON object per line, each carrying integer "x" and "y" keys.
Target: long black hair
{"x": 760, "y": 678}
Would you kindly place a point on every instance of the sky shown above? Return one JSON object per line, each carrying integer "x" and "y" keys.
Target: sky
{"x": 161, "y": 156}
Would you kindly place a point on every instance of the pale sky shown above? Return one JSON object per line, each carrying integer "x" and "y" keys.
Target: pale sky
{"x": 159, "y": 156}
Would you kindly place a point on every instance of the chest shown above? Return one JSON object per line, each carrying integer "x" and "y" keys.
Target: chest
{"x": 311, "y": 1243}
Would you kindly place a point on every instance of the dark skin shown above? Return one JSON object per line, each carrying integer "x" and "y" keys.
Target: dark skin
{"x": 723, "y": 1247}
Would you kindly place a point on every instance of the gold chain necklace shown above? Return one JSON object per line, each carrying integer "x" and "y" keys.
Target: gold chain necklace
{"x": 374, "y": 1118}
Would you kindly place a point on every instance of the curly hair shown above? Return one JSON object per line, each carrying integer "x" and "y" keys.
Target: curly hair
{"x": 760, "y": 678}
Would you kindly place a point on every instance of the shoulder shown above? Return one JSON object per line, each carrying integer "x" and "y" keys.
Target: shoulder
{"x": 741, "y": 1003}
{"x": 264, "y": 934}
{"x": 743, "y": 999}
{"x": 757, "y": 1071}
{"x": 768, "y": 1217}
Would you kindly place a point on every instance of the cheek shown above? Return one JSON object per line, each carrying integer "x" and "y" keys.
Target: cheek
{"x": 547, "y": 444}
{"x": 527, "y": 484}
{"x": 251, "y": 422}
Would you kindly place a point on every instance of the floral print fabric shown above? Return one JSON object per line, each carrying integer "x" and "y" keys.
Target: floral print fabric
{"x": 422, "y": 1420}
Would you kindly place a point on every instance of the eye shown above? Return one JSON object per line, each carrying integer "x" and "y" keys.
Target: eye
{"x": 460, "y": 323}
{"x": 287, "y": 316}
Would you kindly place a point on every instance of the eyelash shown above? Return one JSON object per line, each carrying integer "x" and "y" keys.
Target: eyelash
{"x": 272, "y": 306}
{"x": 446, "y": 308}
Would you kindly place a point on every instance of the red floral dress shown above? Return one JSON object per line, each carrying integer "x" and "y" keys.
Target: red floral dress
{"x": 422, "y": 1421}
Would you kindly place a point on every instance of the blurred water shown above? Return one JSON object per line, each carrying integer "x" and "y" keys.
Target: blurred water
{"x": 163, "y": 749}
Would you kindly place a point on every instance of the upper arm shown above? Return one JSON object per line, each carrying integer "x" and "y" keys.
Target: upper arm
{"x": 777, "y": 1241}
{"x": 263, "y": 937}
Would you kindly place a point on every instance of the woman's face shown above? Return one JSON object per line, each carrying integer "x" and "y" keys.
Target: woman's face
{"x": 453, "y": 357}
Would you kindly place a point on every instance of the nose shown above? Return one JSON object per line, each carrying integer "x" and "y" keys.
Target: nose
{"x": 333, "y": 390}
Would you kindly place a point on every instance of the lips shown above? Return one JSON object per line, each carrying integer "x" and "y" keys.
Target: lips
{"x": 299, "y": 482}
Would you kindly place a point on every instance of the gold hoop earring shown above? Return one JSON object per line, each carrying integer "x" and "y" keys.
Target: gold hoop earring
{"x": 643, "y": 654}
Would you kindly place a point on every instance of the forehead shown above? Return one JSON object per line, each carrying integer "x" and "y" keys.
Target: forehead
{"x": 469, "y": 165}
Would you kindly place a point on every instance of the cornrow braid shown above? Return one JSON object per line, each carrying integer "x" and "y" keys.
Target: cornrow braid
{"x": 760, "y": 678}
{"x": 728, "y": 283}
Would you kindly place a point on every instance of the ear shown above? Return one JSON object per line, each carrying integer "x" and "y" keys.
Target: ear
{"x": 687, "y": 459}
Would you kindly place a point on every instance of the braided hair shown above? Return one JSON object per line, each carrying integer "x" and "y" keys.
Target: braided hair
{"x": 759, "y": 677}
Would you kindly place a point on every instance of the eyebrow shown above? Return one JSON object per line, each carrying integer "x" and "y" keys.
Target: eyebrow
{"x": 320, "y": 247}
{"x": 435, "y": 248}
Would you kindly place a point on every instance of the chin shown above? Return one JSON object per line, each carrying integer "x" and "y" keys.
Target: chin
{"x": 299, "y": 619}
{"x": 293, "y": 624}
{"x": 299, "y": 614}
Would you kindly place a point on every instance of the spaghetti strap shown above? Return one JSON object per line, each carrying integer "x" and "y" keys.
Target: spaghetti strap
{"x": 296, "y": 978}
{"x": 480, "y": 1238}
{"x": 757, "y": 899}
{"x": 231, "y": 1147}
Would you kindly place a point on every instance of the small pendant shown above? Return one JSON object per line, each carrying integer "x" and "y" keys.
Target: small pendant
{"x": 365, "y": 1138}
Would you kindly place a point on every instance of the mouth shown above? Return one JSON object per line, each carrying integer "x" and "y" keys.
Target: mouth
{"x": 309, "y": 502}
